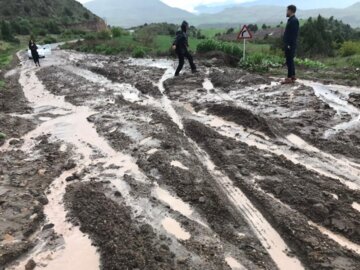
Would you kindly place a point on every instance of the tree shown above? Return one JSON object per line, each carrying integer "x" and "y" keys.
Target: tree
{"x": 264, "y": 26}
{"x": 6, "y": 31}
{"x": 230, "y": 31}
{"x": 253, "y": 27}
{"x": 322, "y": 36}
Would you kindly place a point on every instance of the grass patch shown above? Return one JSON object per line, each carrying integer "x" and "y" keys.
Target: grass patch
{"x": 343, "y": 62}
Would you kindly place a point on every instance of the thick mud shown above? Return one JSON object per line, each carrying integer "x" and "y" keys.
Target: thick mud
{"x": 112, "y": 163}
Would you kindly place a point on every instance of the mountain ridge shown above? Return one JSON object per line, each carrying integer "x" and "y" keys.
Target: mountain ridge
{"x": 137, "y": 12}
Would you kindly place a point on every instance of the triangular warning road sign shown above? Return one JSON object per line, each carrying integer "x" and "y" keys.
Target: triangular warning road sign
{"x": 245, "y": 33}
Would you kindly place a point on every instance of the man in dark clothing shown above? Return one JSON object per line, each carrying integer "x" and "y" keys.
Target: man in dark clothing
{"x": 34, "y": 53}
{"x": 180, "y": 46}
{"x": 290, "y": 41}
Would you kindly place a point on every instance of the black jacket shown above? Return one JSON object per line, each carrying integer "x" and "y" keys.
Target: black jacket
{"x": 291, "y": 32}
{"x": 181, "y": 42}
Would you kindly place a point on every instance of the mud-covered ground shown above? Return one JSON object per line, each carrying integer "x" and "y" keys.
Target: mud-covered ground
{"x": 112, "y": 163}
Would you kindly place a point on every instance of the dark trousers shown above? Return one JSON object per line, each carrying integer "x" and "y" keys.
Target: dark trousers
{"x": 290, "y": 55}
{"x": 182, "y": 56}
{"x": 35, "y": 57}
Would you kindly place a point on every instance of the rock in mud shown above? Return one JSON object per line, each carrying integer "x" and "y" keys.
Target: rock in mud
{"x": 70, "y": 164}
{"x": 354, "y": 99}
{"x": 31, "y": 264}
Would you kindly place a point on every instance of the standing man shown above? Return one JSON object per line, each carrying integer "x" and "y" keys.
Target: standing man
{"x": 34, "y": 53}
{"x": 290, "y": 41}
{"x": 180, "y": 46}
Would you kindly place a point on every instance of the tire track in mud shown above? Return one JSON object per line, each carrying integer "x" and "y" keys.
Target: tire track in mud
{"x": 72, "y": 128}
{"x": 166, "y": 101}
{"x": 265, "y": 232}
{"x": 292, "y": 226}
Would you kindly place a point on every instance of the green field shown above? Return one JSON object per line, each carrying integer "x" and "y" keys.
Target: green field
{"x": 163, "y": 43}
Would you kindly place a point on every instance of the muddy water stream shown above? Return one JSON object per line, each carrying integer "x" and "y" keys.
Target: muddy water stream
{"x": 73, "y": 128}
{"x": 267, "y": 235}
{"x": 335, "y": 96}
{"x": 69, "y": 124}
{"x": 312, "y": 158}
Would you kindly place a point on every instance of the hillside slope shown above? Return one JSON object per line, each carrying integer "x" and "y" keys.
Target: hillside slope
{"x": 65, "y": 13}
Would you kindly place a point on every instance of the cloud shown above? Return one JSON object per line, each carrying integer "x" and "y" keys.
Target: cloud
{"x": 191, "y": 4}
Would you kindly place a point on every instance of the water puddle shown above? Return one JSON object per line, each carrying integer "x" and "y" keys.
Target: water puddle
{"x": 208, "y": 85}
{"x": 166, "y": 103}
{"x": 173, "y": 227}
{"x": 178, "y": 164}
{"x": 129, "y": 92}
{"x": 234, "y": 264}
{"x": 175, "y": 203}
{"x": 342, "y": 241}
{"x": 336, "y": 97}
{"x": 356, "y": 206}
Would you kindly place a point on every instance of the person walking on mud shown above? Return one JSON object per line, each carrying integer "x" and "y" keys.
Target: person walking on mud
{"x": 290, "y": 41}
{"x": 34, "y": 53}
{"x": 180, "y": 46}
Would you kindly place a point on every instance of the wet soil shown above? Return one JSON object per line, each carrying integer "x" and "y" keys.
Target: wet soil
{"x": 291, "y": 184}
{"x": 112, "y": 228}
{"x": 222, "y": 170}
{"x": 24, "y": 179}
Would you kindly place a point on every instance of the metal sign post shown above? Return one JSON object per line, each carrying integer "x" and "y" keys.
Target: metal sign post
{"x": 244, "y": 53}
{"x": 244, "y": 35}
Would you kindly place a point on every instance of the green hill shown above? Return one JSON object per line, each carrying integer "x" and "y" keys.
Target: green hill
{"x": 52, "y": 15}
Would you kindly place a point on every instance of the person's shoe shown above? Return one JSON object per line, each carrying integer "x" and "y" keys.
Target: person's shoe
{"x": 176, "y": 75}
{"x": 194, "y": 71}
{"x": 288, "y": 81}
{"x": 294, "y": 78}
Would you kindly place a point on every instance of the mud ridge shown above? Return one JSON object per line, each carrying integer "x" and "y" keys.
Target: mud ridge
{"x": 112, "y": 227}
{"x": 307, "y": 242}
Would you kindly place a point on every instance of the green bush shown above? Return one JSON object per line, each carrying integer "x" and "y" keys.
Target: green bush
{"x": 90, "y": 36}
{"x": 117, "y": 32}
{"x": 260, "y": 62}
{"x": 225, "y": 47}
{"x": 50, "y": 40}
{"x": 104, "y": 35}
{"x": 138, "y": 52}
{"x": 350, "y": 48}
{"x": 307, "y": 63}
{"x": 355, "y": 61}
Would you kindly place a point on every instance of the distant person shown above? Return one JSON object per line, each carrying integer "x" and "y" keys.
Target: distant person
{"x": 290, "y": 41}
{"x": 34, "y": 53}
{"x": 180, "y": 46}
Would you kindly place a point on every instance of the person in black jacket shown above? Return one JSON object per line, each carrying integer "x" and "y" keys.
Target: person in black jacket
{"x": 34, "y": 53}
{"x": 290, "y": 42}
{"x": 180, "y": 46}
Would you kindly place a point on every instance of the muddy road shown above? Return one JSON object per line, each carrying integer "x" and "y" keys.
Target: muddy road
{"x": 112, "y": 163}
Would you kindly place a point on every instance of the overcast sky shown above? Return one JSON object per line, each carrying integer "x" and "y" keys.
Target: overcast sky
{"x": 190, "y": 4}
